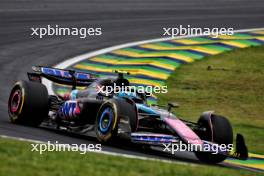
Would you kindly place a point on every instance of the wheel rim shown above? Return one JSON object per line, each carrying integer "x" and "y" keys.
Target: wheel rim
{"x": 15, "y": 101}
{"x": 106, "y": 119}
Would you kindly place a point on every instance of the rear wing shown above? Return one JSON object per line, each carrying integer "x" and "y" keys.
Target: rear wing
{"x": 61, "y": 76}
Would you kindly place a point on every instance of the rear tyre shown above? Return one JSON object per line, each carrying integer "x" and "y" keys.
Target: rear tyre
{"x": 28, "y": 103}
{"x": 220, "y": 133}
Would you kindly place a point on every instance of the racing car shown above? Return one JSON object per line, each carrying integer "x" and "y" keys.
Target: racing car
{"x": 109, "y": 115}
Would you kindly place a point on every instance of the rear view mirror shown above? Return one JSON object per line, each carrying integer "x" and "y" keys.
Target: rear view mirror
{"x": 172, "y": 105}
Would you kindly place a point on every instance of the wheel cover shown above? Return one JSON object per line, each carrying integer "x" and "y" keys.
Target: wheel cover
{"x": 15, "y": 102}
{"x": 106, "y": 119}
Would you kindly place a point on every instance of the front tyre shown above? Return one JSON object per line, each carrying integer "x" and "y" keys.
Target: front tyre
{"x": 106, "y": 123}
{"x": 109, "y": 115}
{"x": 218, "y": 130}
{"x": 28, "y": 103}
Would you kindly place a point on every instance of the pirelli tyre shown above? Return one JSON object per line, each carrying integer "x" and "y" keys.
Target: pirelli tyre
{"x": 109, "y": 115}
{"x": 28, "y": 103}
{"x": 218, "y": 130}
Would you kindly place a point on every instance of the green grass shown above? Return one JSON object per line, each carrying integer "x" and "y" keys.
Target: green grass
{"x": 234, "y": 89}
{"x": 237, "y": 92}
{"x": 17, "y": 159}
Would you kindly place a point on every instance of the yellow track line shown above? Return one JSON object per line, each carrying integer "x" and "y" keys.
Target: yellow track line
{"x": 158, "y": 54}
{"x": 236, "y": 44}
{"x": 125, "y": 62}
{"x": 256, "y": 166}
{"x": 195, "y": 48}
{"x": 163, "y": 76}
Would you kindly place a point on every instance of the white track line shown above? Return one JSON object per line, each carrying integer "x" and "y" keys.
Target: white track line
{"x": 105, "y": 152}
{"x": 71, "y": 61}
{"x": 82, "y": 57}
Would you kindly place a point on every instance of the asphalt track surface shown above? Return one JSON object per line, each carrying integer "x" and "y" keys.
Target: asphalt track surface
{"x": 121, "y": 21}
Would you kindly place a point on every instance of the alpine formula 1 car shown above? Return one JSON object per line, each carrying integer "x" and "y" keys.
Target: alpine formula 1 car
{"x": 109, "y": 116}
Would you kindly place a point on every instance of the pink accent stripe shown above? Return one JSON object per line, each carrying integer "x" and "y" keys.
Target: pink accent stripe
{"x": 150, "y": 134}
{"x": 183, "y": 131}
